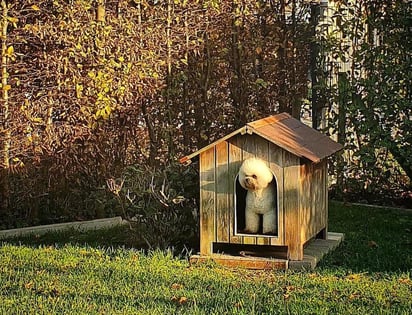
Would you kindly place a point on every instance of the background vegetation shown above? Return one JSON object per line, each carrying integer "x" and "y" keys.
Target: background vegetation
{"x": 100, "y": 98}
{"x": 369, "y": 98}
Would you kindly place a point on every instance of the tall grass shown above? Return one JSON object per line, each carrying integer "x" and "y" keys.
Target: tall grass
{"x": 83, "y": 279}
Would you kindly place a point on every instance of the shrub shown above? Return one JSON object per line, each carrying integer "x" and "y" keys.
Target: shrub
{"x": 160, "y": 204}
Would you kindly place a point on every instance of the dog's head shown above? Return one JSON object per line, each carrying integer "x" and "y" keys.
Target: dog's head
{"x": 254, "y": 174}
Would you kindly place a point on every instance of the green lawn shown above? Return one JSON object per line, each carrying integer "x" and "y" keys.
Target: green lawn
{"x": 370, "y": 273}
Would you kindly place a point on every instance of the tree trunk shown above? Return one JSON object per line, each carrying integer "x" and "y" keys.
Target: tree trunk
{"x": 314, "y": 71}
{"x": 283, "y": 102}
{"x": 237, "y": 89}
{"x": 169, "y": 83}
{"x": 5, "y": 134}
{"x": 343, "y": 99}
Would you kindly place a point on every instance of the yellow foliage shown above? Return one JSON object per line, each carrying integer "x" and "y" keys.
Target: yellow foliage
{"x": 10, "y": 51}
{"x": 6, "y": 87}
{"x": 79, "y": 90}
{"x": 12, "y": 20}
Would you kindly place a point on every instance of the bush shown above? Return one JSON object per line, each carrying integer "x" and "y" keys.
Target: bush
{"x": 160, "y": 204}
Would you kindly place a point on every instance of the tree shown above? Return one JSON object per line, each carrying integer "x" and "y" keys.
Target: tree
{"x": 5, "y": 134}
{"x": 370, "y": 95}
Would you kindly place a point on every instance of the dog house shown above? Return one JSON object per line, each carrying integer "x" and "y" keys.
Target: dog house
{"x": 297, "y": 156}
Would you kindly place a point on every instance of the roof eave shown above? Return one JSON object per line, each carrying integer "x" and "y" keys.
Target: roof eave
{"x": 186, "y": 160}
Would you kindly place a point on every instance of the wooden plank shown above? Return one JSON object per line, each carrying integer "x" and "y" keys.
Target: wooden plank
{"x": 319, "y": 204}
{"x": 257, "y": 263}
{"x": 207, "y": 201}
{"x": 222, "y": 192}
{"x": 275, "y": 164}
{"x": 291, "y": 206}
{"x": 307, "y": 205}
{"x": 235, "y": 160}
{"x": 249, "y": 150}
{"x": 262, "y": 148}
{"x": 325, "y": 199}
{"x": 313, "y": 200}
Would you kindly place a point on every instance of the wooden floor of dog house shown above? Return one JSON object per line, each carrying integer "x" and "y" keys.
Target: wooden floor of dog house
{"x": 312, "y": 254}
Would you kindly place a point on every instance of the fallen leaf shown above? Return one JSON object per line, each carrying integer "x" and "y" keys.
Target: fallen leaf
{"x": 28, "y": 285}
{"x": 372, "y": 244}
{"x": 239, "y": 304}
{"x": 405, "y": 281}
{"x": 355, "y": 276}
{"x": 176, "y": 286}
{"x": 354, "y": 296}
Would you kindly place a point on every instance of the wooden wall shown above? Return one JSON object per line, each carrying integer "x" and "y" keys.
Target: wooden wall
{"x": 219, "y": 167}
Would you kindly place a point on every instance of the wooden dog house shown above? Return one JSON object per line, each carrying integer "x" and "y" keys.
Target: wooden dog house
{"x": 296, "y": 154}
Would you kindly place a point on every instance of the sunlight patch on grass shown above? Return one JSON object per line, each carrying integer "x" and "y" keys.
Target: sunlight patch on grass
{"x": 356, "y": 278}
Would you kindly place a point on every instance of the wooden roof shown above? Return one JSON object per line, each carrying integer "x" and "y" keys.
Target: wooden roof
{"x": 289, "y": 134}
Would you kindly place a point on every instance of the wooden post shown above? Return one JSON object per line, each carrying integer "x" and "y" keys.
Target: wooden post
{"x": 207, "y": 201}
{"x": 292, "y": 206}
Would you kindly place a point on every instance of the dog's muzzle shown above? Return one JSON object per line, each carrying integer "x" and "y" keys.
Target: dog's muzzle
{"x": 249, "y": 183}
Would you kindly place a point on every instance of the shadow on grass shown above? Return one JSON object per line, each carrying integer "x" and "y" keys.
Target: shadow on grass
{"x": 376, "y": 239}
{"x": 116, "y": 237}
{"x": 119, "y": 237}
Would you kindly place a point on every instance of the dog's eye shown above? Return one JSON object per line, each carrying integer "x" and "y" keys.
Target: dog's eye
{"x": 254, "y": 176}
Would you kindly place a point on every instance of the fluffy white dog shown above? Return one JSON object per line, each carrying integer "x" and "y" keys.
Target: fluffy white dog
{"x": 257, "y": 179}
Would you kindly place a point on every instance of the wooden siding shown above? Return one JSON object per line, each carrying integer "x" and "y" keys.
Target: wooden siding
{"x": 222, "y": 192}
{"x": 219, "y": 166}
{"x": 313, "y": 196}
{"x": 301, "y": 188}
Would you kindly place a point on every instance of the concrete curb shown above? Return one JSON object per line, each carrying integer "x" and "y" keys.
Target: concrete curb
{"x": 60, "y": 227}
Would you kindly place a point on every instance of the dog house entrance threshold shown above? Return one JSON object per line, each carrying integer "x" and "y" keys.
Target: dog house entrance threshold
{"x": 250, "y": 250}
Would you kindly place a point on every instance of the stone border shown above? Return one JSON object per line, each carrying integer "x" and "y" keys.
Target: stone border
{"x": 315, "y": 250}
{"x": 60, "y": 227}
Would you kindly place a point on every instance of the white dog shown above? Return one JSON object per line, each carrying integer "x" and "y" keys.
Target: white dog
{"x": 257, "y": 179}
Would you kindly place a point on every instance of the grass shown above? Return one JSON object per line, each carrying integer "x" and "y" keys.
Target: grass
{"x": 370, "y": 273}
